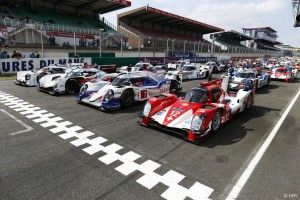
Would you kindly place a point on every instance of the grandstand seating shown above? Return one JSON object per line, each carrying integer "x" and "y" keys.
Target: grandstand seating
{"x": 230, "y": 43}
{"x": 50, "y": 17}
{"x": 151, "y": 33}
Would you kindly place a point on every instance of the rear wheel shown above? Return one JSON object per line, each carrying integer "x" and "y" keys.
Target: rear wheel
{"x": 269, "y": 80}
{"x": 127, "y": 98}
{"x": 250, "y": 101}
{"x": 216, "y": 121}
{"x": 206, "y": 74}
{"x": 174, "y": 86}
{"x": 72, "y": 86}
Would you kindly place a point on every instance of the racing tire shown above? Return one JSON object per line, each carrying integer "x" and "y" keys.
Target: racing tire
{"x": 250, "y": 101}
{"x": 127, "y": 98}
{"x": 174, "y": 87}
{"x": 269, "y": 80}
{"x": 216, "y": 121}
{"x": 215, "y": 69}
{"x": 206, "y": 75}
{"x": 72, "y": 86}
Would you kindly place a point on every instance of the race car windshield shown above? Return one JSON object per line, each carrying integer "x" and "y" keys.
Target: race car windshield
{"x": 119, "y": 81}
{"x": 245, "y": 75}
{"x": 197, "y": 95}
{"x": 74, "y": 74}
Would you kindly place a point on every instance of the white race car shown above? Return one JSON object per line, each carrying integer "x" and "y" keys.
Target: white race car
{"x": 31, "y": 78}
{"x": 241, "y": 77}
{"x": 283, "y": 73}
{"x": 188, "y": 72}
{"x": 124, "y": 91}
{"x": 69, "y": 82}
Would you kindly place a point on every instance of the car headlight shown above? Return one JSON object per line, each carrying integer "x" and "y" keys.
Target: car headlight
{"x": 147, "y": 109}
{"x": 109, "y": 95}
{"x": 56, "y": 84}
{"x": 27, "y": 77}
{"x": 197, "y": 122}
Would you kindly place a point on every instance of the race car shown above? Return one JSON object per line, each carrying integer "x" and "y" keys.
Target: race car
{"x": 31, "y": 78}
{"x": 188, "y": 72}
{"x": 241, "y": 77}
{"x": 202, "y": 111}
{"x": 282, "y": 73}
{"x": 124, "y": 91}
{"x": 70, "y": 82}
{"x": 215, "y": 68}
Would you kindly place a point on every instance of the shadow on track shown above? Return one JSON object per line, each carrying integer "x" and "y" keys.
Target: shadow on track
{"x": 235, "y": 130}
{"x": 267, "y": 89}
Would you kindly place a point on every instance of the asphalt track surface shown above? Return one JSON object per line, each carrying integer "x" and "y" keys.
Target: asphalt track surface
{"x": 35, "y": 163}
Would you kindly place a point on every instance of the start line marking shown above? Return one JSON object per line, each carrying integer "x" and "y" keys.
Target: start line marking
{"x": 28, "y": 128}
{"x": 235, "y": 191}
{"x": 149, "y": 179}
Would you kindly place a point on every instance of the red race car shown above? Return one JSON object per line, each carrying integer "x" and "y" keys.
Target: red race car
{"x": 202, "y": 111}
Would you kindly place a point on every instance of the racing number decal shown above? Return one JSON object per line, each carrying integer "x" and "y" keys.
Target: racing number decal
{"x": 144, "y": 94}
{"x": 173, "y": 115}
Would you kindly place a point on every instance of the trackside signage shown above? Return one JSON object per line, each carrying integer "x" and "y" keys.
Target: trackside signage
{"x": 12, "y": 66}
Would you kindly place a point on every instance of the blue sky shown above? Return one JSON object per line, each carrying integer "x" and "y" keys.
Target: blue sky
{"x": 230, "y": 14}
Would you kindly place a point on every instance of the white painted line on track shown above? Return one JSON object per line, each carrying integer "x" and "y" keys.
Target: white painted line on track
{"x": 149, "y": 179}
{"x": 27, "y": 127}
{"x": 235, "y": 191}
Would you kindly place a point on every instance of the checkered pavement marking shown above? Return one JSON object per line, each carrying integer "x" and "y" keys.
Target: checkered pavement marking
{"x": 67, "y": 130}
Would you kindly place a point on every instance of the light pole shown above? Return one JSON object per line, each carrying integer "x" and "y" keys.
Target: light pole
{"x": 173, "y": 44}
{"x": 168, "y": 46}
{"x": 75, "y": 43}
{"x": 139, "y": 49}
{"x": 122, "y": 45}
{"x": 184, "y": 47}
{"x": 42, "y": 42}
{"x": 100, "y": 42}
{"x": 199, "y": 47}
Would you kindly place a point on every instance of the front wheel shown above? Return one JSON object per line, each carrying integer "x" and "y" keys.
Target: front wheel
{"x": 72, "y": 86}
{"x": 216, "y": 122}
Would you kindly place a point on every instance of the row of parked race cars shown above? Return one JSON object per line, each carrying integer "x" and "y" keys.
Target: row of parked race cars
{"x": 202, "y": 111}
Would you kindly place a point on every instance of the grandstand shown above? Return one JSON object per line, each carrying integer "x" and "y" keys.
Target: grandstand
{"x": 59, "y": 21}
{"x": 231, "y": 39}
{"x": 148, "y": 27}
{"x": 264, "y": 38}
{"x": 296, "y": 9}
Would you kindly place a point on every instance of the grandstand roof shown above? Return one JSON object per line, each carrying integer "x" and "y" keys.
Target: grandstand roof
{"x": 267, "y": 27}
{"x": 234, "y": 35}
{"x": 155, "y": 16}
{"x": 96, "y": 6}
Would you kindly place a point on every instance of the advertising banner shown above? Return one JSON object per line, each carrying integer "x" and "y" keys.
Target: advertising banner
{"x": 12, "y": 66}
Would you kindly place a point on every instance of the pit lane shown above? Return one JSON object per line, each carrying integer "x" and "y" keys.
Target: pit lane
{"x": 215, "y": 163}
